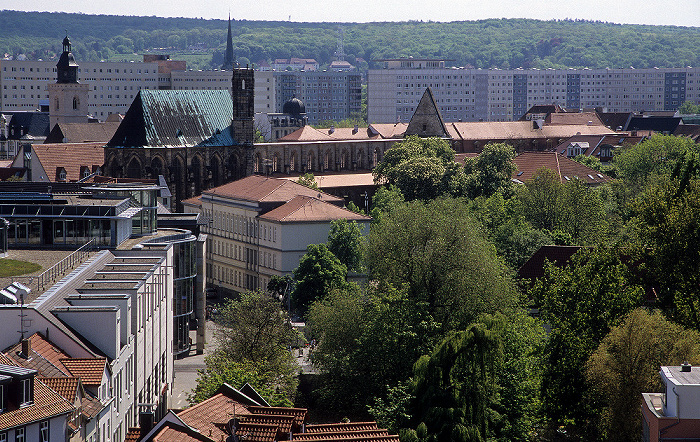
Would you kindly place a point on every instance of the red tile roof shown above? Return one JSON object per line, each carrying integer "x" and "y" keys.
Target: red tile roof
{"x": 83, "y": 132}
{"x": 529, "y": 162}
{"x": 133, "y": 435}
{"x": 89, "y": 370}
{"x": 257, "y": 188}
{"x": 69, "y": 156}
{"x": 45, "y": 357}
{"x": 308, "y": 209}
{"x": 362, "y": 434}
{"x": 574, "y": 118}
{"x": 388, "y": 130}
{"x": 306, "y": 133}
{"x": 349, "y": 426}
{"x": 47, "y": 403}
{"x": 178, "y": 434}
{"x": 299, "y": 414}
{"x": 251, "y": 432}
{"x": 510, "y": 130}
{"x": 65, "y": 386}
{"x": 285, "y": 424}
{"x": 205, "y": 415}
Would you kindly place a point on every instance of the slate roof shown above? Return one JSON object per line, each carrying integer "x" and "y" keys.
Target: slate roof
{"x": 654, "y": 123}
{"x": 177, "y": 118}
{"x": 309, "y": 209}
{"x": 427, "y": 109}
{"x": 71, "y": 157}
{"x": 89, "y": 370}
{"x": 596, "y": 141}
{"x": 47, "y": 403}
{"x": 82, "y": 132}
{"x": 529, "y": 162}
{"x": 35, "y": 124}
{"x": 257, "y": 188}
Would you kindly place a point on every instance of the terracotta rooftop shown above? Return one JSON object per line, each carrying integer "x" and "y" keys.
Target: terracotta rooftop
{"x": 177, "y": 433}
{"x": 388, "y": 130}
{"x": 47, "y": 403}
{"x": 89, "y": 370}
{"x": 133, "y": 435}
{"x": 283, "y": 423}
{"x": 72, "y": 157}
{"x": 574, "y": 118}
{"x": 306, "y": 133}
{"x": 529, "y": 162}
{"x": 345, "y": 437}
{"x": 349, "y": 426}
{"x": 339, "y": 179}
{"x": 257, "y": 188}
{"x": 65, "y": 386}
{"x": 298, "y": 413}
{"x": 309, "y": 209}
{"x": 507, "y": 130}
{"x": 45, "y": 357}
{"x": 204, "y": 415}
{"x": 251, "y": 432}
{"x": 91, "y": 406}
{"x": 348, "y": 435}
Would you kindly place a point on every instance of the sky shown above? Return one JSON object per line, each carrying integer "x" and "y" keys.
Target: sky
{"x": 651, "y": 12}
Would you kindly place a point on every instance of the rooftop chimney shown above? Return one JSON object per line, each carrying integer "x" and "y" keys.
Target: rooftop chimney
{"x": 686, "y": 367}
{"x": 26, "y": 347}
{"x": 145, "y": 419}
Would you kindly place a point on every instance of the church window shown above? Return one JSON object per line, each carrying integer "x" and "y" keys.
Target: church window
{"x": 55, "y": 103}
{"x": 76, "y": 103}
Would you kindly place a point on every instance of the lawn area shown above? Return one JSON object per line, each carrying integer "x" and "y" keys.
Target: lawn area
{"x": 12, "y": 267}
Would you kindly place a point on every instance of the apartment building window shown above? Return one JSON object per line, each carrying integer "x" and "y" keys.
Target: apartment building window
{"x": 3, "y": 437}
{"x": 19, "y": 435}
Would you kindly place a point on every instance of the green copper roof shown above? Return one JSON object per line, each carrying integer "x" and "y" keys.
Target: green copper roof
{"x": 177, "y": 118}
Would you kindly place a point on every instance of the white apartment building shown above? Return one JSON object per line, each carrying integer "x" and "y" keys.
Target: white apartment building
{"x": 260, "y": 227}
{"x": 505, "y": 95}
{"x": 113, "y": 85}
{"x": 116, "y": 305}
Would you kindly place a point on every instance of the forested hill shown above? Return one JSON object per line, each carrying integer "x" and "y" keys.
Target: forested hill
{"x": 504, "y": 43}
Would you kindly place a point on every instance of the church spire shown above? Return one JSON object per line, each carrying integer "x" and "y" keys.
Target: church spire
{"x": 228, "y": 58}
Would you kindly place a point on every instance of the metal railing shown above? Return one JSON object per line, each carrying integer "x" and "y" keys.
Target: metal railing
{"x": 65, "y": 265}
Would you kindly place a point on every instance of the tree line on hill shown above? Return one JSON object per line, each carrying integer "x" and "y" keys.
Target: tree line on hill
{"x": 440, "y": 345}
{"x": 493, "y": 43}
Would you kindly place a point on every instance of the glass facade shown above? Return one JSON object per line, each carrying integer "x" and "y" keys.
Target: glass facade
{"x": 23, "y": 232}
{"x": 146, "y": 197}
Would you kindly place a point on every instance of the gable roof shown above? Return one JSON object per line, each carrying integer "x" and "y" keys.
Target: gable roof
{"x": 71, "y": 157}
{"x": 511, "y": 130}
{"x": 566, "y": 169}
{"x": 533, "y": 268}
{"x": 306, "y": 133}
{"x": 47, "y": 403}
{"x": 204, "y": 415}
{"x": 426, "y": 120}
{"x": 258, "y": 188}
{"x": 22, "y": 123}
{"x": 303, "y": 208}
{"x": 82, "y": 132}
{"x": 65, "y": 386}
{"x": 44, "y": 356}
{"x": 89, "y": 370}
{"x": 177, "y": 118}
{"x": 388, "y": 130}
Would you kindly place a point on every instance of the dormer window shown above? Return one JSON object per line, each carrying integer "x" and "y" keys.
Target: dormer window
{"x": 26, "y": 393}
{"x": 62, "y": 174}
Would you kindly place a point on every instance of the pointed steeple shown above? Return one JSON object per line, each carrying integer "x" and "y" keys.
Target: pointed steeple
{"x": 228, "y": 57}
{"x": 426, "y": 120}
{"x": 66, "y": 68}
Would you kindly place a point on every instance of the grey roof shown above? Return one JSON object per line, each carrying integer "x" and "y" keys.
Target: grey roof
{"x": 10, "y": 370}
{"x": 35, "y": 124}
{"x": 177, "y": 118}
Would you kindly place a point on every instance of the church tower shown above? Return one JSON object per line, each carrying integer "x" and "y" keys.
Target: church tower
{"x": 228, "y": 57}
{"x": 68, "y": 98}
{"x": 242, "y": 123}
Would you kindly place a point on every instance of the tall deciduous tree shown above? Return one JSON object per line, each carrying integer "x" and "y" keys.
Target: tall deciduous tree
{"x": 345, "y": 242}
{"x": 581, "y": 302}
{"x": 441, "y": 256}
{"x": 319, "y": 273}
{"x": 491, "y": 170}
{"x": 626, "y": 364}
{"x": 422, "y": 168}
{"x": 252, "y": 347}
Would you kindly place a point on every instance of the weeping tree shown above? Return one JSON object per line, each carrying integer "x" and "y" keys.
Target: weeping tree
{"x": 455, "y": 387}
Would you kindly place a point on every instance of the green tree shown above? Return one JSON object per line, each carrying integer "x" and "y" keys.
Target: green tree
{"x": 491, "y": 170}
{"x": 439, "y": 253}
{"x": 386, "y": 199}
{"x": 581, "y": 302}
{"x": 345, "y": 242}
{"x": 626, "y": 364}
{"x": 689, "y": 108}
{"x": 666, "y": 232}
{"x": 422, "y": 168}
{"x": 252, "y": 347}
{"x": 308, "y": 180}
{"x": 319, "y": 273}
{"x": 540, "y": 198}
{"x": 657, "y": 155}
